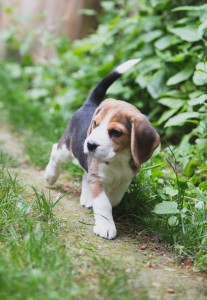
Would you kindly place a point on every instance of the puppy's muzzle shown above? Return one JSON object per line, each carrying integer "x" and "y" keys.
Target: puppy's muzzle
{"x": 92, "y": 146}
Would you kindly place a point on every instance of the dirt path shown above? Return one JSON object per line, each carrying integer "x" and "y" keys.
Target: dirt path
{"x": 149, "y": 265}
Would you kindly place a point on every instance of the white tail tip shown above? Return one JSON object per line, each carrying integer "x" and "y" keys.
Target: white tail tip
{"x": 127, "y": 65}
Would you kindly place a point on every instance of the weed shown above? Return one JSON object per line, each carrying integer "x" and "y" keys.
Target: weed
{"x": 44, "y": 205}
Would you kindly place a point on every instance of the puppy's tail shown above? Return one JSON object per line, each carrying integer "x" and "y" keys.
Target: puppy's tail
{"x": 98, "y": 93}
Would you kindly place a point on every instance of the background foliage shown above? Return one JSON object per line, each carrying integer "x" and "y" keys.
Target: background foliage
{"x": 169, "y": 86}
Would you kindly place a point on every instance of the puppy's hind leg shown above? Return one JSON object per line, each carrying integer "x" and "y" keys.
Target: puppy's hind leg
{"x": 60, "y": 154}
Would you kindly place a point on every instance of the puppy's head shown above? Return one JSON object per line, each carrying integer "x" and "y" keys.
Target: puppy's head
{"x": 117, "y": 126}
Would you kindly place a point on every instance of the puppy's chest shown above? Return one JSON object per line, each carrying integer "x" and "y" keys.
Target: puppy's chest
{"x": 114, "y": 174}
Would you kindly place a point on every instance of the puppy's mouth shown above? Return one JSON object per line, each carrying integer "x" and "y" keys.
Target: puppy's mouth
{"x": 102, "y": 156}
{"x": 100, "y": 153}
{"x": 104, "y": 159}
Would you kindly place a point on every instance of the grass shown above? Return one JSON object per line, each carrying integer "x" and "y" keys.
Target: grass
{"x": 44, "y": 205}
{"x": 7, "y": 160}
{"x": 34, "y": 262}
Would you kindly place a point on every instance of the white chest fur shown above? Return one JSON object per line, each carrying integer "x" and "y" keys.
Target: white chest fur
{"x": 116, "y": 177}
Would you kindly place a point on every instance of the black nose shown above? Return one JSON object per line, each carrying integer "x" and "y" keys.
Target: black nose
{"x": 92, "y": 146}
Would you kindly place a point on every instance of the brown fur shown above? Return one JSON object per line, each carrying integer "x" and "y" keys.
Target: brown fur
{"x": 94, "y": 182}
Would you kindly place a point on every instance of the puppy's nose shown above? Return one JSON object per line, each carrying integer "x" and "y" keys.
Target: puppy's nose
{"x": 92, "y": 146}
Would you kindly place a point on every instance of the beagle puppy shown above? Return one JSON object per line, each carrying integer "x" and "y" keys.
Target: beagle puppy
{"x": 110, "y": 139}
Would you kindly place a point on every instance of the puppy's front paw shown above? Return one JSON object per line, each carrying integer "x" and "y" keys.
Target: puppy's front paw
{"x": 106, "y": 229}
{"x": 51, "y": 174}
{"x": 89, "y": 204}
{"x": 86, "y": 201}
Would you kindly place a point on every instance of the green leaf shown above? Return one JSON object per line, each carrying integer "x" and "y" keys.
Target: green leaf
{"x": 147, "y": 37}
{"x": 195, "y": 94}
{"x": 201, "y": 66}
{"x": 181, "y": 118}
{"x": 145, "y": 70}
{"x": 173, "y": 221}
{"x": 174, "y": 94}
{"x": 182, "y": 182}
{"x": 203, "y": 185}
{"x": 200, "y": 100}
{"x": 166, "y": 207}
{"x": 166, "y": 115}
{"x": 190, "y": 168}
{"x": 142, "y": 80}
{"x": 204, "y": 166}
{"x": 107, "y": 5}
{"x": 181, "y": 56}
{"x": 166, "y": 41}
{"x": 199, "y": 205}
{"x": 189, "y": 34}
{"x": 181, "y": 76}
{"x": 190, "y": 8}
{"x": 200, "y": 78}
{"x": 171, "y": 102}
{"x": 203, "y": 26}
{"x": 200, "y": 75}
{"x": 170, "y": 191}
{"x": 149, "y": 64}
{"x": 157, "y": 84}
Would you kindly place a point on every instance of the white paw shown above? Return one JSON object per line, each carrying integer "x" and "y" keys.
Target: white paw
{"x": 86, "y": 201}
{"x": 89, "y": 204}
{"x": 106, "y": 229}
{"x": 51, "y": 174}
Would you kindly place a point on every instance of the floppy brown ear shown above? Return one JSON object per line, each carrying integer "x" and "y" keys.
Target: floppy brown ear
{"x": 144, "y": 140}
{"x": 90, "y": 128}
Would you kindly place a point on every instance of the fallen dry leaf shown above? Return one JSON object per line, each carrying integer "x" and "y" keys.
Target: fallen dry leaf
{"x": 170, "y": 290}
{"x": 149, "y": 264}
{"x": 143, "y": 247}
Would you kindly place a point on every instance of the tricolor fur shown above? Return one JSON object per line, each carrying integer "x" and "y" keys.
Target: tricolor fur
{"x": 111, "y": 139}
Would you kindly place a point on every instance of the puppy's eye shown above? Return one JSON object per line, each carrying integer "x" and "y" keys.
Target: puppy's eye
{"x": 115, "y": 133}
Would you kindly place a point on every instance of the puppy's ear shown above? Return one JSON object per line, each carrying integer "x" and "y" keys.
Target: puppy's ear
{"x": 90, "y": 128}
{"x": 144, "y": 140}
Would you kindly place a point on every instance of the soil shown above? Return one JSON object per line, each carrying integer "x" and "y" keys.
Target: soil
{"x": 149, "y": 264}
